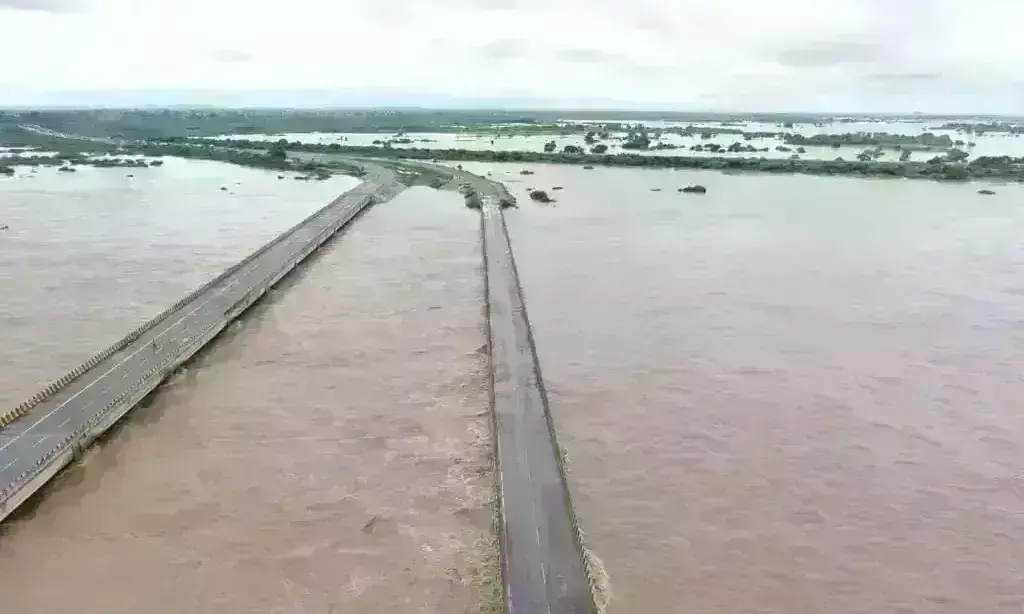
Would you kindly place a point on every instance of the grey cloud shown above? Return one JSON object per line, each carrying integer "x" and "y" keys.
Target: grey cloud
{"x": 49, "y": 6}
{"x": 907, "y": 76}
{"x": 587, "y": 56}
{"x": 654, "y": 23}
{"x": 230, "y": 56}
{"x": 496, "y": 5}
{"x": 611, "y": 61}
{"x": 504, "y": 49}
{"x": 833, "y": 53}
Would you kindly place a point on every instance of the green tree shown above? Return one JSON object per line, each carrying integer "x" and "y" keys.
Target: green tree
{"x": 279, "y": 151}
{"x": 957, "y": 155}
{"x": 954, "y": 172}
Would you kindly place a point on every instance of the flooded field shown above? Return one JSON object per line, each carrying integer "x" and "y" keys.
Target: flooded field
{"x": 88, "y": 256}
{"x": 989, "y": 144}
{"x": 328, "y": 454}
{"x": 789, "y": 395}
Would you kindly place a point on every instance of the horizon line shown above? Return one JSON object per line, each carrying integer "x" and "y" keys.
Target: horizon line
{"x": 493, "y": 109}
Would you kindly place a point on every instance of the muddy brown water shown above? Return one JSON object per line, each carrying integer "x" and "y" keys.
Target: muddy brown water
{"x": 90, "y": 255}
{"x": 327, "y": 454}
{"x": 789, "y": 395}
{"x": 792, "y": 394}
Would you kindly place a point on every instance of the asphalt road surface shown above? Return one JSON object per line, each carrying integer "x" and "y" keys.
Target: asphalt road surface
{"x": 36, "y": 436}
{"x": 543, "y": 567}
{"x": 542, "y": 557}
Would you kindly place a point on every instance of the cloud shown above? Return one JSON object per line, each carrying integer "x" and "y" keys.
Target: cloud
{"x": 829, "y": 53}
{"x": 840, "y": 55}
{"x": 52, "y": 6}
{"x": 588, "y": 56}
{"x": 505, "y": 49}
{"x": 907, "y": 76}
{"x": 231, "y": 56}
{"x": 496, "y": 5}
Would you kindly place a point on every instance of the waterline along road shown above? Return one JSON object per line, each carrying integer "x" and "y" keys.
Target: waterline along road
{"x": 542, "y": 564}
{"x": 43, "y": 434}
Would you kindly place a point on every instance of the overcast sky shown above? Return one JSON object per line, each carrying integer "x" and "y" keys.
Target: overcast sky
{"x": 956, "y": 56}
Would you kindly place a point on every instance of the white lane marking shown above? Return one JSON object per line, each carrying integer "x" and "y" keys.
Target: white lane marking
{"x": 119, "y": 364}
{"x": 66, "y": 420}
{"x": 90, "y": 403}
{"x": 40, "y": 442}
{"x": 258, "y": 266}
{"x": 8, "y": 465}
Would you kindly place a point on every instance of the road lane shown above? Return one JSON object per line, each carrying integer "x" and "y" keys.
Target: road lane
{"x": 542, "y": 558}
{"x": 26, "y": 444}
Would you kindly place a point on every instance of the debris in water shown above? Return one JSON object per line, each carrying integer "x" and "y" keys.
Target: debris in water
{"x": 540, "y": 196}
{"x": 371, "y": 524}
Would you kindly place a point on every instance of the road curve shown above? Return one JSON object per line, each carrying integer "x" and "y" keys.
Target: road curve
{"x": 75, "y": 410}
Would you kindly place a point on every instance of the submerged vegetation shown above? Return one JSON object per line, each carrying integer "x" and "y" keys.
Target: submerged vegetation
{"x": 940, "y": 167}
{"x": 982, "y": 128}
{"x": 927, "y": 141}
{"x": 75, "y": 151}
{"x": 133, "y": 138}
{"x": 71, "y": 160}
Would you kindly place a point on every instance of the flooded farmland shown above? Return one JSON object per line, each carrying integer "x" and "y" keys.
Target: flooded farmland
{"x": 88, "y": 256}
{"x": 788, "y": 395}
{"x": 517, "y": 138}
{"x": 328, "y": 454}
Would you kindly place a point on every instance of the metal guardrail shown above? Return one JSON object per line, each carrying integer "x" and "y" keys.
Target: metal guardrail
{"x": 57, "y": 385}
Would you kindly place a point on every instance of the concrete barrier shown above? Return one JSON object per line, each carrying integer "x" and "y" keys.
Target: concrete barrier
{"x": 50, "y": 461}
{"x": 49, "y": 390}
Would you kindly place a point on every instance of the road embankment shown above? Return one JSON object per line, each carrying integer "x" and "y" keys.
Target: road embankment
{"x": 47, "y": 431}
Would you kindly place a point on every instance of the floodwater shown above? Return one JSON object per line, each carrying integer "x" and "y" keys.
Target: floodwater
{"x": 329, "y": 454}
{"x": 988, "y": 144}
{"x": 88, "y": 256}
{"x": 789, "y": 395}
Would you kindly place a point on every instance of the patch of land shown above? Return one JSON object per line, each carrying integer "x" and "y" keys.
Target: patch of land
{"x": 939, "y": 168}
{"x": 128, "y": 137}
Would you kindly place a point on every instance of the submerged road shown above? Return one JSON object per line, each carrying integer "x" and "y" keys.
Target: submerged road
{"x": 75, "y": 410}
{"x": 543, "y": 568}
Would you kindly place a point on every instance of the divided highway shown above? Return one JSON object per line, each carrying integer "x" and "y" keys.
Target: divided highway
{"x": 543, "y": 567}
